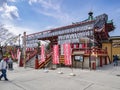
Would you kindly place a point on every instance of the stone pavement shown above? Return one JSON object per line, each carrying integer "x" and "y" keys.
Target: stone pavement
{"x": 104, "y": 78}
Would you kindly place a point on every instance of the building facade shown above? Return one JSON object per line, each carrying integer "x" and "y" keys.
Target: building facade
{"x": 85, "y": 38}
{"x": 113, "y": 46}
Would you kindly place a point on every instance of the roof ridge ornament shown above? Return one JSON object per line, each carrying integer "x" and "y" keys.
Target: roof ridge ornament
{"x": 90, "y": 15}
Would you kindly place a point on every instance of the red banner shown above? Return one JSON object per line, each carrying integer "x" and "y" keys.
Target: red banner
{"x": 55, "y": 54}
{"x": 12, "y": 55}
{"x": 18, "y": 52}
{"x": 67, "y": 54}
{"x": 42, "y": 53}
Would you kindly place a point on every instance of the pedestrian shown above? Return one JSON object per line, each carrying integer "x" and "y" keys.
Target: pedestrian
{"x": 3, "y": 68}
{"x": 10, "y": 64}
{"x": 115, "y": 60}
{"x": 116, "y": 57}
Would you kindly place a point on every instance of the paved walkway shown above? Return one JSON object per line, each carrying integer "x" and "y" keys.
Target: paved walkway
{"x": 105, "y": 78}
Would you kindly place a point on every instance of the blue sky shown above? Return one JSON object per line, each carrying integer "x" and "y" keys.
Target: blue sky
{"x": 38, "y": 15}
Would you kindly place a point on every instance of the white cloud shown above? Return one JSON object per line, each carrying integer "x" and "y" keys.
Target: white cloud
{"x": 8, "y": 12}
{"x": 9, "y": 30}
{"x": 47, "y": 4}
{"x": 118, "y": 10}
{"x": 48, "y": 27}
{"x": 53, "y": 9}
{"x": 12, "y": 0}
{"x": 18, "y": 30}
{"x": 32, "y": 1}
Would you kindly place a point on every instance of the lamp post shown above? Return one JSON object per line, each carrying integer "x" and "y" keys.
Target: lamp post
{"x": 19, "y": 39}
{"x": 91, "y": 48}
{"x": 94, "y": 52}
{"x": 89, "y": 52}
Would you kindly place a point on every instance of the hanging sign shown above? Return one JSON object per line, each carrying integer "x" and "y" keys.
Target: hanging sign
{"x": 42, "y": 53}
{"x": 55, "y": 54}
{"x": 67, "y": 54}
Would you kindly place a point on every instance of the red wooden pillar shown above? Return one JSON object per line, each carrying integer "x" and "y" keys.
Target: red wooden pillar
{"x": 101, "y": 63}
{"x": 21, "y": 62}
{"x": 77, "y": 45}
{"x": 36, "y": 64}
{"x": 93, "y": 65}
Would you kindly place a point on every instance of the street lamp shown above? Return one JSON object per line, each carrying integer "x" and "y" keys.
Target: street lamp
{"x": 19, "y": 39}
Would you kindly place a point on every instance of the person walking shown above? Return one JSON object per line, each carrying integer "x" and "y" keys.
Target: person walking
{"x": 115, "y": 60}
{"x": 116, "y": 57}
{"x": 3, "y": 68}
{"x": 10, "y": 64}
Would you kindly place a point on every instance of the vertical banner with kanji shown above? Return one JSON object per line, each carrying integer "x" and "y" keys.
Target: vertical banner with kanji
{"x": 55, "y": 54}
{"x": 42, "y": 53}
{"x": 67, "y": 54}
{"x": 18, "y": 57}
{"x": 18, "y": 51}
